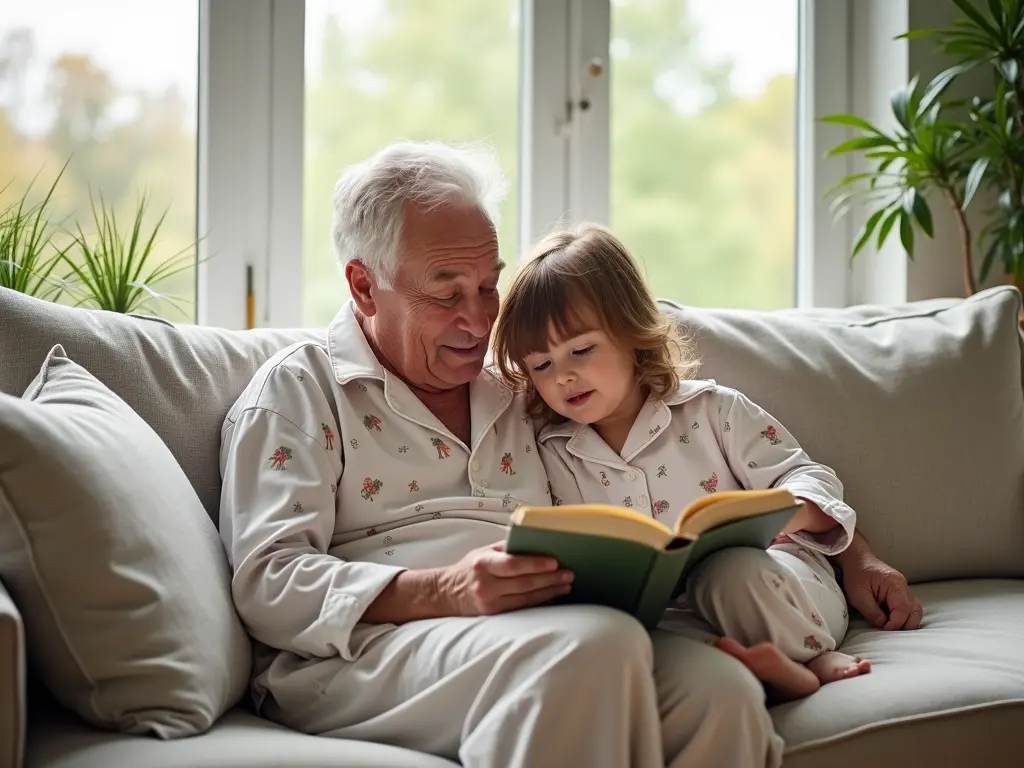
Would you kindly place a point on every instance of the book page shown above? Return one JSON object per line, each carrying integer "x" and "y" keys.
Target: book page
{"x": 596, "y": 520}
{"x": 720, "y": 508}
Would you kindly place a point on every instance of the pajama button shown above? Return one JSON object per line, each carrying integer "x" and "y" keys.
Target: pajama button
{"x": 475, "y": 465}
{"x": 631, "y": 475}
{"x": 483, "y": 483}
{"x": 644, "y": 501}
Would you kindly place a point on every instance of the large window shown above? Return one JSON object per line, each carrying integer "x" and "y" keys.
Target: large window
{"x": 674, "y": 121}
{"x": 382, "y": 70}
{"x": 111, "y": 89}
{"x": 703, "y": 146}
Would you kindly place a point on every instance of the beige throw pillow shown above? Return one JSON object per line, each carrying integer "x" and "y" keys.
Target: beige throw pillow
{"x": 113, "y": 563}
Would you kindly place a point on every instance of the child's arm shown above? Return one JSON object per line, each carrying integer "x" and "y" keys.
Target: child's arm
{"x": 562, "y": 484}
{"x": 763, "y": 454}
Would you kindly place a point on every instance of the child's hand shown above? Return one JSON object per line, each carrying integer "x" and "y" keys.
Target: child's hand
{"x": 872, "y": 587}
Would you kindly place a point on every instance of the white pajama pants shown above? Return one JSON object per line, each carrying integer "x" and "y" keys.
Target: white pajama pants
{"x": 544, "y": 687}
{"x": 787, "y": 596}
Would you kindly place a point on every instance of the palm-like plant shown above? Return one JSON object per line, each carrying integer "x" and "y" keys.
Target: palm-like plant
{"x": 930, "y": 151}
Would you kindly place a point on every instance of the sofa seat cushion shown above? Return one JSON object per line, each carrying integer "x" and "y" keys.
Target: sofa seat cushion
{"x": 918, "y": 408}
{"x": 181, "y": 379}
{"x": 950, "y": 693}
{"x": 239, "y": 740}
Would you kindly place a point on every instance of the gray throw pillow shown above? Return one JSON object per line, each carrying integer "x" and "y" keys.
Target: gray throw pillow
{"x": 111, "y": 559}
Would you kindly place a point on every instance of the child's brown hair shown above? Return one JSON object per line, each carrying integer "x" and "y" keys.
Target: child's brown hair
{"x": 568, "y": 274}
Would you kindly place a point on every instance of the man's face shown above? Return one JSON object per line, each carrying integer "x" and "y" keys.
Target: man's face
{"x": 434, "y": 324}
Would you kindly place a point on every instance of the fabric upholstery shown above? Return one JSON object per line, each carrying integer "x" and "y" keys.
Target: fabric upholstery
{"x": 180, "y": 379}
{"x": 950, "y": 693}
{"x": 918, "y": 408}
{"x": 238, "y": 740}
{"x": 117, "y": 571}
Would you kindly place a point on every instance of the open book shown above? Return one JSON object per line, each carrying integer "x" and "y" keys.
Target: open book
{"x": 630, "y": 561}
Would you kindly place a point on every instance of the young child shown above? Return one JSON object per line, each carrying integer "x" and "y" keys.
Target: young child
{"x": 610, "y": 377}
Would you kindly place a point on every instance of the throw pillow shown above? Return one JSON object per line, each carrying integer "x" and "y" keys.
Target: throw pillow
{"x": 115, "y": 566}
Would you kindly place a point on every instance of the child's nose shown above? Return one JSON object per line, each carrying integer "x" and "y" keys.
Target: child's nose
{"x": 566, "y": 377}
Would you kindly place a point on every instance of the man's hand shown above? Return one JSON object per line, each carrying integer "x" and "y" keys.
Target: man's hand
{"x": 879, "y": 591}
{"x": 488, "y": 581}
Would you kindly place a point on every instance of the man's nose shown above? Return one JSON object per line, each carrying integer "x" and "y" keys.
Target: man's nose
{"x": 474, "y": 318}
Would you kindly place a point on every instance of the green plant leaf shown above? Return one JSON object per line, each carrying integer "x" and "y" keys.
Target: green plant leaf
{"x": 907, "y": 233}
{"x": 967, "y": 8}
{"x": 940, "y": 83}
{"x": 28, "y": 256}
{"x": 974, "y": 179}
{"x": 887, "y": 223}
{"x": 990, "y": 259}
{"x": 901, "y": 100}
{"x": 922, "y": 212}
{"x": 861, "y": 143}
{"x": 1010, "y": 70}
{"x": 995, "y": 7}
{"x": 866, "y": 230}
{"x": 915, "y": 34}
{"x": 852, "y": 121}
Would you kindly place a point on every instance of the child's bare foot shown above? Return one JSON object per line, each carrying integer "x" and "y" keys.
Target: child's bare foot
{"x": 784, "y": 679}
{"x": 833, "y": 665}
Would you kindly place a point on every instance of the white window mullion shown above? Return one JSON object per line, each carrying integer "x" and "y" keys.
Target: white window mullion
{"x": 544, "y": 130}
{"x": 589, "y": 162}
{"x": 233, "y": 150}
{"x": 250, "y": 161}
{"x": 823, "y": 78}
{"x": 287, "y": 120}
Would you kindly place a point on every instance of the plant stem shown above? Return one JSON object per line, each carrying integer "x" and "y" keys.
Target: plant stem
{"x": 965, "y": 242}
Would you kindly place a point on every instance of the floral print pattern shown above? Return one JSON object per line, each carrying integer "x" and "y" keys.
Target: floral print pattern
{"x": 371, "y": 488}
{"x": 279, "y": 459}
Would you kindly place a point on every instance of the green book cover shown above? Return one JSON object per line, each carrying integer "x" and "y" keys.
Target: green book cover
{"x": 634, "y": 577}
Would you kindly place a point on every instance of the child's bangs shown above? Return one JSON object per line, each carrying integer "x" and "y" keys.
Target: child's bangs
{"x": 550, "y": 305}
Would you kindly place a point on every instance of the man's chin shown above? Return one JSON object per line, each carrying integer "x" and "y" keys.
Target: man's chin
{"x": 461, "y": 369}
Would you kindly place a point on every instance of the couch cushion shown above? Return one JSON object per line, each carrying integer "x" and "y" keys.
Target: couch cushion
{"x": 180, "y": 379}
{"x": 238, "y": 740}
{"x": 117, "y": 570}
{"x": 918, "y": 408}
{"x": 950, "y": 693}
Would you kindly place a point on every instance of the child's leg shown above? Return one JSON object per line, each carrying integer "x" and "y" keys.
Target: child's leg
{"x": 775, "y": 608}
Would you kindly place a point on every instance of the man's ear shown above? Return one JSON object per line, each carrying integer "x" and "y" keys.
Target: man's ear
{"x": 362, "y": 287}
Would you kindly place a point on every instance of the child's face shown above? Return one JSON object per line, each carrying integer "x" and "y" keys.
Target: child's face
{"x": 587, "y": 378}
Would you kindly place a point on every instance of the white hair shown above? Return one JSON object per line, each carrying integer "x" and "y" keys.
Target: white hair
{"x": 371, "y": 197}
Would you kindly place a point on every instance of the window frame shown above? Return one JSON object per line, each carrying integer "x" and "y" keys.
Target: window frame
{"x": 251, "y": 132}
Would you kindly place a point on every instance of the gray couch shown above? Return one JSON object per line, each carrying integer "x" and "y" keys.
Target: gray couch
{"x": 919, "y": 408}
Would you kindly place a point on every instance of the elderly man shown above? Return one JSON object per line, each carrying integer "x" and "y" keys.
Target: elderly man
{"x": 366, "y": 483}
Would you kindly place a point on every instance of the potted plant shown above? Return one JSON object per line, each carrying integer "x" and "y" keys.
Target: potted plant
{"x": 956, "y": 151}
{"x": 28, "y": 254}
{"x": 109, "y": 269}
{"x": 116, "y": 268}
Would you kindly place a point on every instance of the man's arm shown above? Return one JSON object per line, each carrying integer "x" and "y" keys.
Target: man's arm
{"x": 278, "y": 518}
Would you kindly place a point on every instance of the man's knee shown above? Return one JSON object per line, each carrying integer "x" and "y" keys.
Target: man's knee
{"x": 592, "y": 636}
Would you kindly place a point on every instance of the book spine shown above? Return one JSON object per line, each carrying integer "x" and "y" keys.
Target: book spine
{"x": 660, "y": 586}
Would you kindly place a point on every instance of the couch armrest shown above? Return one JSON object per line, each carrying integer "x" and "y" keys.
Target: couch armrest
{"x": 12, "y": 682}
